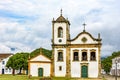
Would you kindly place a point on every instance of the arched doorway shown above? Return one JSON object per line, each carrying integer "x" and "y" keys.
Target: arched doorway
{"x": 2, "y": 71}
{"x": 40, "y": 72}
{"x": 84, "y": 71}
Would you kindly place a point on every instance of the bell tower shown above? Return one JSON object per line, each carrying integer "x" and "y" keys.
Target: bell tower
{"x": 60, "y": 39}
{"x": 60, "y": 30}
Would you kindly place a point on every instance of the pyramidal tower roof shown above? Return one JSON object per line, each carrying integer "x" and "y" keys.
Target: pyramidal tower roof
{"x": 61, "y": 18}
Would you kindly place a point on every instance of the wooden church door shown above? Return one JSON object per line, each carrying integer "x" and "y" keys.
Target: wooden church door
{"x": 40, "y": 72}
{"x": 84, "y": 71}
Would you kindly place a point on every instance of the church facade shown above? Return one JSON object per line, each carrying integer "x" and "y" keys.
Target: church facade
{"x": 78, "y": 57}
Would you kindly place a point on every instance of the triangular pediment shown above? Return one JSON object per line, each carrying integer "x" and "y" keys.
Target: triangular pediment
{"x": 41, "y": 58}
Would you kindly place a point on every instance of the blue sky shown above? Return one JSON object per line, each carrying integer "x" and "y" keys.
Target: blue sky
{"x": 26, "y": 24}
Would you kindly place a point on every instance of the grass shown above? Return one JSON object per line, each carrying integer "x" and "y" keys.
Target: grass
{"x": 17, "y": 77}
{"x": 25, "y": 77}
{"x": 62, "y": 78}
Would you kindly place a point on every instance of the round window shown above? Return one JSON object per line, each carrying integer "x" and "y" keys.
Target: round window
{"x": 84, "y": 39}
{"x": 60, "y": 40}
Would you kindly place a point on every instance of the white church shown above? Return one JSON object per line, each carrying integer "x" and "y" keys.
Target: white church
{"x": 76, "y": 58}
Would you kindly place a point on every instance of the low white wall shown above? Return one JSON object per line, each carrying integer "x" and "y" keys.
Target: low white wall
{"x": 46, "y": 69}
{"x": 59, "y": 73}
{"x": 93, "y": 70}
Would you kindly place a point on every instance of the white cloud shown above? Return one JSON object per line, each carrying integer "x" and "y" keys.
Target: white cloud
{"x": 28, "y": 22}
{"x": 4, "y": 49}
{"x": 18, "y": 46}
{"x": 107, "y": 50}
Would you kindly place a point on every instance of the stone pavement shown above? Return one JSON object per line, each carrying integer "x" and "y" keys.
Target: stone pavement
{"x": 89, "y": 79}
{"x": 109, "y": 77}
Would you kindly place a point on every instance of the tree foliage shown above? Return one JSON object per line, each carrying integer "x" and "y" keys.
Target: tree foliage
{"x": 45, "y": 52}
{"x": 18, "y": 61}
{"x": 107, "y": 62}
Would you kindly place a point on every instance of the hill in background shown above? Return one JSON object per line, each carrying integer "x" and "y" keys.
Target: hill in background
{"x": 46, "y": 52}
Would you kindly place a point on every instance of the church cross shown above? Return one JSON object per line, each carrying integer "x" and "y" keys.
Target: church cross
{"x": 61, "y": 12}
{"x": 41, "y": 50}
{"x": 29, "y": 57}
{"x": 84, "y": 27}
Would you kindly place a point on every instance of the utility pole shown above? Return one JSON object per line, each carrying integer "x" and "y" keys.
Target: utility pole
{"x": 116, "y": 69}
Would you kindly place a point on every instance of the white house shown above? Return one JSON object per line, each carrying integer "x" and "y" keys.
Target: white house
{"x": 115, "y": 66}
{"x": 3, "y": 61}
{"x": 103, "y": 71}
{"x": 78, "y": 57}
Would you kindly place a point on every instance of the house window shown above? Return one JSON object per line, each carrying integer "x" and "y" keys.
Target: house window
{"x": 60, "y": 68}
{"x": 6, "y": 70}
{"x": 84, "y": 56}
{"x": 92, "y": 56}
{"x": 9, "y": 69}
{"x": 60, "y": 32}
{"x": 60, "y": 56}
{"x": 75, "y": 56}
{"x": 3, "y": 62}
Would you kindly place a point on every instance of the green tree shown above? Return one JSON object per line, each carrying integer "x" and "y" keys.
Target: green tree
{"x": 107, "y": 62}
{"x": 18, "y": 61}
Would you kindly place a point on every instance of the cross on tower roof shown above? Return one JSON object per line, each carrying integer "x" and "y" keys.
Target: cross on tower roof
{"x": 84, "y": 27}
{"x": 61, "y": 12}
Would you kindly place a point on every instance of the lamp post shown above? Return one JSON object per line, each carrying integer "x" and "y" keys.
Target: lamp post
{"x": 116, "y": 69}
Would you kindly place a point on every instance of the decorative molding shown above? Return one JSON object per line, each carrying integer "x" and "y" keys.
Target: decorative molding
{"x": 84, "y": 39}
{"x": 93, "y": 50}
{"x": 40, "y": 62}
{"x": 87, "y": 34}
{"x": 75, "y": 50}
{"x": 84, "y": 50}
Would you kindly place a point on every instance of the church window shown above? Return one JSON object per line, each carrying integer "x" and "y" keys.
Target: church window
{"x": 92, "y": 56}
{"x": 60, "y": 32}
{"x": 3, "y": 62}
{"x": 60, "y": 40}
{"x": 60, "y": 68}
{"x": 75, "y": 56}
{"x": 60, "y": 56}
{"x": 84, "y": 56}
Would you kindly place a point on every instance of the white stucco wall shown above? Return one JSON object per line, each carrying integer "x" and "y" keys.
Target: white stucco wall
{"x": 61, "y": 73}
{"x": 56, "y": 39}
{"x": 46, "y": 69}
{"x": 79, "y": 40}
{"x": 114, "y": 66}
{"x": 3, "y": 66}
{"x": 75, "y": 69}
{"x": 0, "y": 68}
{"x": 93, "y": 70}
{"x": 76, "y": 65}
{"x": 114, "y": 63}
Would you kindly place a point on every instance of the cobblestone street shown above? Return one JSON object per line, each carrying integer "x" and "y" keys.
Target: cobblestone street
{"x": 88, "y": 79}
{"x": 109, "y": 77}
